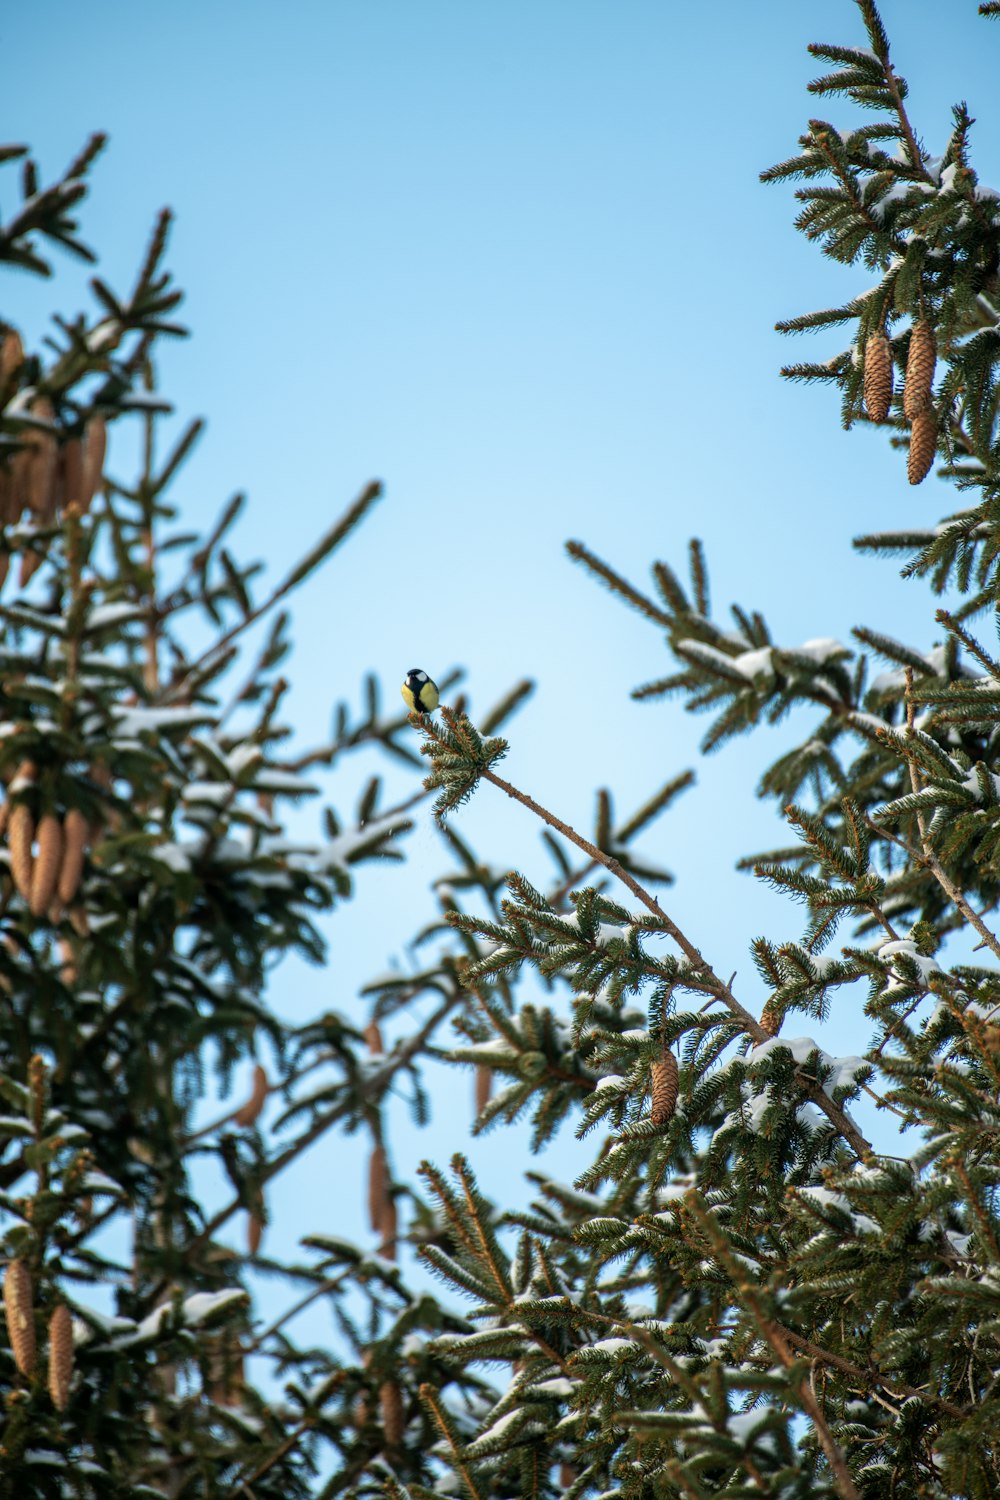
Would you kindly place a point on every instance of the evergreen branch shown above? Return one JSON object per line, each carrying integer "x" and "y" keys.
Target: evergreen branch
{"x": 242, "y": 1486}
{"x": 866, "y": 1377}
{"x": 986, "y": 1227}
{"x": 618, "y": 585}
{"x": 893, "y": 85}
{"x": 958, "y": 630}
{"x": 431, "y": 1399}
{"x": 374, "y": 1086}
{"x": 837, "y": 1116}
{"x": 930, "y": 859}
{"x": 312, "y": 559}
{"x": 773, "y": 1333}
{"x": 328, "y": 1284}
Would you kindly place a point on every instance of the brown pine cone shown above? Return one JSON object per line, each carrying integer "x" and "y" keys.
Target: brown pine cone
{"x": 878, "y": 377}
{"x": 923, "y": 445}
{"x": 919, "y": 388}
{"x": 79, "y": 921}
{"x": 20, "y": 837}
{"x": 484, "y": 1087}
{"x": 11, "y": 355}
{"x": 95, "y": 444}
{"x": 663, "y": 1074}
{"x": 18, "y": 1301}
{"x": 71, "y": 463}
{"x": 60, "y": 1356}
{"x": 250, "y": 1112}
{"x": 389, "y": 1228}
{"x": 41, "y": 476}
{"x": 255, "y": 1230}
{"x": 770, "y": 1021}
{"x": 48, "y": 863}
{"x": 393, "y": 1417}
{"x": 75, "y": 833}
{"x": 378, "y": 1188}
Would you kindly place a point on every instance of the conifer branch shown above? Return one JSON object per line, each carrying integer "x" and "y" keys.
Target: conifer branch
{"x": 431, "y": 1399}
{"x": 313, "y": 558}
{"x": 700, "y": 968}
{"x": 927, "y": 857}
{"x": 374, "y": 1086}
{"x": 912, "y": 149}
{"x": 773, "y": 1334}
{"x": 869, "y": 1376}
{"x": 242, "y": 1486}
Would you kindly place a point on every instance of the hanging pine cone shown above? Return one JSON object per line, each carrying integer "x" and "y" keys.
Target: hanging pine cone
{"x": 484, "y": 1087}
{"x": 41, "y": 474}
{"x": 79, "y": 921}
{"x": 75, "y": 832}
{"x": 389, "y": 1228}
{"x": 11, "y": 355}
{"x": 878, "y": 377}
{"x": 663, "y": 1074}
{"x": 373, "y": 1036}
{"x": 71, "y": 466}
{"x": 18, "y": 1301}
{"x": 923, "y": 445}
{"x": 60, "y": 1356}
{"x": 250, "y": 1112}
{"x": 919, "y": 388}
{"x": 20, "y": 837}
{"x": 770, "y": 1021}
{"x": 48, "y": 863}
{"x": 255, "y": 1230}
{"x": 378, "y": 1187}
{"x": 393, "y": 1417}
{"x": 95, "y": 444}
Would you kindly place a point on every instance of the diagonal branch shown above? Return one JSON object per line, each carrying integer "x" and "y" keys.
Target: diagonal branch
{"x": 818, "y": 1095}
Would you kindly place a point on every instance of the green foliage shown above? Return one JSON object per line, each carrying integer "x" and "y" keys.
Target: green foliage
{"x": 740, "y": 1294}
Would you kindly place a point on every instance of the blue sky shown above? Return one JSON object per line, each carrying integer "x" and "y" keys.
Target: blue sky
{"x": 514, "y": 260}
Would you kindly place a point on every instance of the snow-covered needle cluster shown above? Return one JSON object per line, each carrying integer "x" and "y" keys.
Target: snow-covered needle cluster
{"x": 751, "y": 1287}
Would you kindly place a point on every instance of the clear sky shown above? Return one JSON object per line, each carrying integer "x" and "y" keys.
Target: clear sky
{"x": 512, "y": 257}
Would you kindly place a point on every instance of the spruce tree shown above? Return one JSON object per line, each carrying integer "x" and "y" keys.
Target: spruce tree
{"x": 741, "y": 1293}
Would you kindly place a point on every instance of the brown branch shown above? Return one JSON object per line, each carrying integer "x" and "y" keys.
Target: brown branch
{"x": 912, "y": 149}
{"x": 837, "y": 1116}
{"x": 242, "y": 1487}
{"x": 827, "y": 1357}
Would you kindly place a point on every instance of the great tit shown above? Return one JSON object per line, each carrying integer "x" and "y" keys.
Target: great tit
{"x": 419, "y": 693}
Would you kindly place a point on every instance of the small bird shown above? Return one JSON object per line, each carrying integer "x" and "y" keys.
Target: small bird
{"x": 419, "y": 693}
